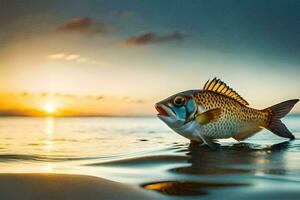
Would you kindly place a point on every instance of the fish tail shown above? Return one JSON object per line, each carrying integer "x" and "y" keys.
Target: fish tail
{"x": 275, "y": 113}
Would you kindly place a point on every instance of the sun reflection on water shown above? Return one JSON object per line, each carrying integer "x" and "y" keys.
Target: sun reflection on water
{"x": 49, "y": 130}
{"x": 48, "y": 168}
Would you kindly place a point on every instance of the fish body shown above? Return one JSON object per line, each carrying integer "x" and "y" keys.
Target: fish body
{"x": 217, "y": 111}
{"x": 234, "y": 117}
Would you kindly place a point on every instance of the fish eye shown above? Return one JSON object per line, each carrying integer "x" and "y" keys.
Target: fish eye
{"x": 179, "y": 101}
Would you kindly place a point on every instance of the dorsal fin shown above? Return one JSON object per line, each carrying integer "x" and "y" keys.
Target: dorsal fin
{"x": 218, "y": 86}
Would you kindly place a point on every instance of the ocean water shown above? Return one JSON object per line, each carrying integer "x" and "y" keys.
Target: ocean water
{"x": 145, "y": 153}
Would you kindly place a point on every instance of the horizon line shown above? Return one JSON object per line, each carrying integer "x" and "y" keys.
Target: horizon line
{"x": 87, "y": 116}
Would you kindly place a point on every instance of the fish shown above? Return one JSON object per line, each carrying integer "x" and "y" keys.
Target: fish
{"x": 217, "y": 111}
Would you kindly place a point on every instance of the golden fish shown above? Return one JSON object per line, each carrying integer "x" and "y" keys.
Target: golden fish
{"x": 217, "y": 111}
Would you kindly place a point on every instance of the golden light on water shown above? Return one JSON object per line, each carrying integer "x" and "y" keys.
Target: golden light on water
{"x": 50, "y": 108}
{"x": 49, "y": 130}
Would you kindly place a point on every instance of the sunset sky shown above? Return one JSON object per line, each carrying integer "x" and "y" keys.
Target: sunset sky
{"x": 120, "y": 57}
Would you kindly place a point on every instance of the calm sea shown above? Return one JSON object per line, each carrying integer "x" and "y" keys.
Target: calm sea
{"x": 146, "y": 153}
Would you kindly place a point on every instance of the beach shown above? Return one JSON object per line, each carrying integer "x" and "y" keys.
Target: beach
{"x": 64, "y": 187}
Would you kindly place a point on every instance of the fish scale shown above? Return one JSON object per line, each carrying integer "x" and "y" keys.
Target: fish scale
{"x": 234, "y": 118}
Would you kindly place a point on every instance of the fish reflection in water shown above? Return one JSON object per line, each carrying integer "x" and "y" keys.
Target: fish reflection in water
{"x": 238, "y": 158}
{"x": 242, "y": 158}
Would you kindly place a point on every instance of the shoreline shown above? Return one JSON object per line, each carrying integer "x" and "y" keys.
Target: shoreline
{"x": 36, "y": 186}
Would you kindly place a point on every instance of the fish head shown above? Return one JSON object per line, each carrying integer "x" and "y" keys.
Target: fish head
{"x": 177, "y": 110}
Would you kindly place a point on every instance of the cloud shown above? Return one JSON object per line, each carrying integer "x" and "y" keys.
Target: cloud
{"x": 150, "y": 37}
{"x": 100, "y": 97}
{"x": 24, "y": 94}
{"x": 57, "y": 56}
{"x": 72, "y": 57}
{"x": 82, "y": 25}
{"x": 138, "y": 101}
{"x": 44, "y": 94}
{"x": 95, "y": 97}
{"x": 131, "y": 100}
{"x": 12, "y": 112}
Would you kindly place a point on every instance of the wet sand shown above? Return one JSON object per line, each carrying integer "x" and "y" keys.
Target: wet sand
{"x": 65, "y": 187}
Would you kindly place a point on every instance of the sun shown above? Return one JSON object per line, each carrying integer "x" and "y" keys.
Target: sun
{"x": 50, "y": 108}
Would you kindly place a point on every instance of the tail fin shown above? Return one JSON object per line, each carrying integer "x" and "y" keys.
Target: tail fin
{"x": 277, "y": 112}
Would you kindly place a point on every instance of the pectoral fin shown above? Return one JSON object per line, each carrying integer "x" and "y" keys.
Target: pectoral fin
{"x": 208, "y": 116}
{"x": 208, "y": 141}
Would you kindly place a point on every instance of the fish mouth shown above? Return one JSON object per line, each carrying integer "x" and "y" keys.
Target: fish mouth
{"x": 160, "y": 110}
